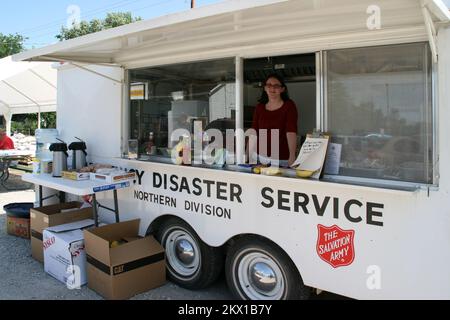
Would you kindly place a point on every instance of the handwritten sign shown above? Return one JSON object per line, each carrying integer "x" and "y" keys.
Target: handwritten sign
{"x": 312, "y": 155}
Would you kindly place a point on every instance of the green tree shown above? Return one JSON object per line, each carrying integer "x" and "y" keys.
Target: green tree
{"x": 11, "y": 44}
{"x": 118, "y": 19}
{"x": 27, "y": 123}
{"x": 48, "y": 120}
{"x": 112, "y": 20}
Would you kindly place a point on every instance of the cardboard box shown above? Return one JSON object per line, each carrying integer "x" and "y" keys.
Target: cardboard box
{"x": 64, "y": 252}
{"x": 113, "y": 177}
{"x": 125, "y": 270}
{"x": 19, "y": 227}
{"x": 78, "y": 176}
{"x": 49, "y": 216}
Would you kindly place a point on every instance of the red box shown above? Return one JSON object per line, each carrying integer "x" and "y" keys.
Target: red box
{"x": 19, "y": 227}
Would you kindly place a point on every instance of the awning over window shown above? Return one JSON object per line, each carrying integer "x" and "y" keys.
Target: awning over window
{"x": 252, "y": 29}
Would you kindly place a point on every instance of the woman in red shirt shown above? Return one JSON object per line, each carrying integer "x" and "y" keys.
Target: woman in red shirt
{"x": 6, "y": 142}
{"x": 276, "y": 111}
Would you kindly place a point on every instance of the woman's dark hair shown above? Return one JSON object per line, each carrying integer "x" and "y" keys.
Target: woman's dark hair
{"x": 284, "y": 95}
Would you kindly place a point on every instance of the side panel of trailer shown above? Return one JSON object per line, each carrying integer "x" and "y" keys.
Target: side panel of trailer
{"x": 399, "y": 239}
{"x": 90, "y": 108}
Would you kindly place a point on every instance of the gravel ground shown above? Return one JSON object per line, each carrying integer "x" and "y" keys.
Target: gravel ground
{"x": 23, "y": 278}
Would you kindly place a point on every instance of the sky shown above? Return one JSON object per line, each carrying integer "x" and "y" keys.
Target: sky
{"x": 40, "y": 21}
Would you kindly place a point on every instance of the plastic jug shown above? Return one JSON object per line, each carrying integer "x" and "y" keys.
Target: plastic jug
{"x": 44, "y": 138}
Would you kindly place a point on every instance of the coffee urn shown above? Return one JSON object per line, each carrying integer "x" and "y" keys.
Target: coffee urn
{"x": 59, "y": 158}
{"x": 78, "y": 154}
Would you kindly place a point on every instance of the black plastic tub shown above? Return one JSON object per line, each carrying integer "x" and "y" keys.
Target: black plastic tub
{"x": 19, "y": 210}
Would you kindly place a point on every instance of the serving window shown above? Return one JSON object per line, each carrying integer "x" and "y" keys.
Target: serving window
{"x": 166, "y": 98}
{"x": 375, "y": 102}
{"x": 379, "y": 107}
{"x": 299, "y": 75}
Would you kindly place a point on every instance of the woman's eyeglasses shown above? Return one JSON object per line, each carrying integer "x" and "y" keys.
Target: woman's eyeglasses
{"x": 274, "y": 86}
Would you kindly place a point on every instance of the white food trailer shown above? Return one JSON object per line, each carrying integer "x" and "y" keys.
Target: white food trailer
{"x": 374, "y": 74}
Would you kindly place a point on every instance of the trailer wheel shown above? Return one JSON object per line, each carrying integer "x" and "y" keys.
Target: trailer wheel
{"x": 256, "y": 269}
{"x": 190, "y": 262}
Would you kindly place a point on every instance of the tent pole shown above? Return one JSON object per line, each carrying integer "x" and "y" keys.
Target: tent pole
{"x": 8, "y": 118}
{"x": 42, "y": 78}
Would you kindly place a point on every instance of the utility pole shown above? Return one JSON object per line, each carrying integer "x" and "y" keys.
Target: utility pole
{"x": 192, "y": 4}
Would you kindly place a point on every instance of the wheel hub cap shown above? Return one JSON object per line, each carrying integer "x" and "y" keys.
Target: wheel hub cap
{"x": 184, "y": 251}
{"x": 259, "y": 276}
{"x": 263, "y": 277}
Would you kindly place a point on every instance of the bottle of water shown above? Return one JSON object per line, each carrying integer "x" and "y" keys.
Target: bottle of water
{"x": 44, "y": 158}
{"x": 151, "y": 148}
{"x": 44, "y": 138}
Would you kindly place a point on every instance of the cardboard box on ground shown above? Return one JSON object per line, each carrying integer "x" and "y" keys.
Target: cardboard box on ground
{"x": 131, "y": 266}
{"x": 65, "y": 254}
{"x": 19, "y": 227}
{"x": 54, "y": 215}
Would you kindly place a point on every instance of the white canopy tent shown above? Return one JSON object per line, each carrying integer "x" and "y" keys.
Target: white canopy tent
{"x": 26, "y": 87}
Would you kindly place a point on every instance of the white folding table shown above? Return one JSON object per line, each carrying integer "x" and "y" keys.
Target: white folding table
{"x": 79, "y": 188}
{"x": 6, "y": 156}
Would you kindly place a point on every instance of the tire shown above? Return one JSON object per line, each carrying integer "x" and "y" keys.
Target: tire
{"x": 283, "y": 281}
{"x": 199, "y": 266}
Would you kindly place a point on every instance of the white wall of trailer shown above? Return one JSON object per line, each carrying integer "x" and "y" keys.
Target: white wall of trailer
{"x": 91, "y": 108}
{"x": 410, "y": 250}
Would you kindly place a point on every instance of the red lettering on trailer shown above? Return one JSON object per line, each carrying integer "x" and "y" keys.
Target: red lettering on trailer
{"x": 335, "y": 246}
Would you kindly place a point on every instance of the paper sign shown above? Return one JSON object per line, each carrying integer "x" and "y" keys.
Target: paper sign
{"x": 312, "y": 155}
{"x": 138, "y": 91}
{"x": 333, "y": 159}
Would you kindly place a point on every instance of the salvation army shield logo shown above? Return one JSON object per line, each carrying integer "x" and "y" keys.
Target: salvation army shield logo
{"x": 335, "y": 246}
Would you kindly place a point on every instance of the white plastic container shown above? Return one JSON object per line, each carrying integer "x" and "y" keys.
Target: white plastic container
{"x": 44, "y": 138}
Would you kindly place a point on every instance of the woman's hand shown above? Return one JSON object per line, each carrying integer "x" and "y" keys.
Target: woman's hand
{"x": 291, "y": 160}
